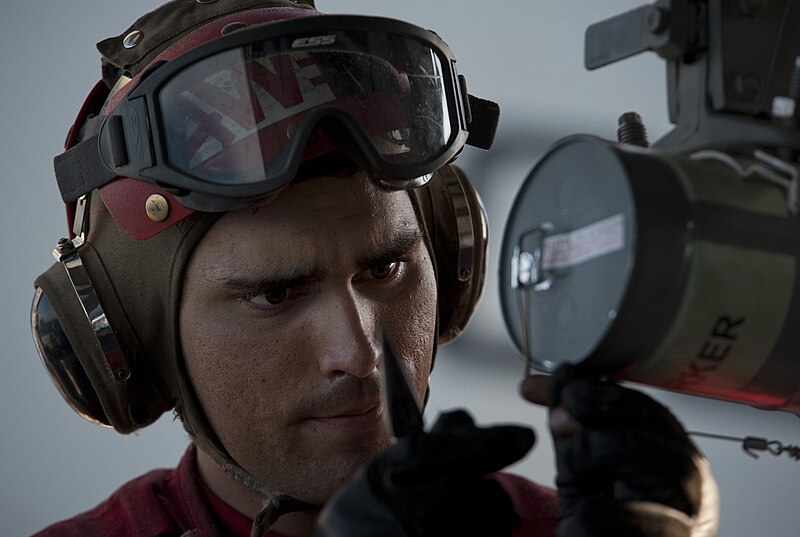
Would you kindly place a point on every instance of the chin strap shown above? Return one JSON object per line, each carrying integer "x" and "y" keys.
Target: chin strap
{"x": 274, "y": 507}
{"x": 275, "y": 504}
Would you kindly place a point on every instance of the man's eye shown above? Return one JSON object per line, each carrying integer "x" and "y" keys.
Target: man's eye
{"x": 381, "y": 272}
{"x": 270, "y": 298}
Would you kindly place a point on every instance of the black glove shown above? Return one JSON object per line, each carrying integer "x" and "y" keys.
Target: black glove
{"x": 432, "y": 484}
{"x": 627, "y": 466}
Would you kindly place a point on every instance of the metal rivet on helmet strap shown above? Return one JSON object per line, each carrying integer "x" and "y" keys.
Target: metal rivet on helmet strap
{"x": 232, "y": 27}
{"x": 132, "y": 39}
{"x": 157, "y": 207}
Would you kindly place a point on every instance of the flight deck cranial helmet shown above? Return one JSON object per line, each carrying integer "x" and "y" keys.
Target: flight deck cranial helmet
{"x": 206, "y": 107}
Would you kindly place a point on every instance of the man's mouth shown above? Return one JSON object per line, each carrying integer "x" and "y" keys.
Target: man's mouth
{"x": 353, "y": 418}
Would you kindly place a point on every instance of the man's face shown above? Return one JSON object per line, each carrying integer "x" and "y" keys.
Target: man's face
{"x": 280, "y": 319}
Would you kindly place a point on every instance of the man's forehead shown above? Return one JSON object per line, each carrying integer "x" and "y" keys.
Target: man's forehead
{"x": 311, "y": 225}
{"x": 334, "y": 205}
{"x": 351, "y": 190}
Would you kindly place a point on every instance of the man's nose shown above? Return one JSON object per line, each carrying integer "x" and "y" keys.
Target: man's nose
{"x": 351, "y": 343}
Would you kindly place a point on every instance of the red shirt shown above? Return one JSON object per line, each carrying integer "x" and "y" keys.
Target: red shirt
{"x": 177, "y": 503}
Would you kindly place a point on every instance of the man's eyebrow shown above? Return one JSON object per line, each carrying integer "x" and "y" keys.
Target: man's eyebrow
{"x": 399, "y": 244}
{"x": 280, "y": 278}
{"x": 302, "y": 273}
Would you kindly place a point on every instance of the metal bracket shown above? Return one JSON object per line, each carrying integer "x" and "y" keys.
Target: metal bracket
{"x": 669, "y": 28}
{"x": 67, "y": 253}
{"x": 767, "y": 167}
{"x": 80, "y": 225}
{"x": 527, "y": 267}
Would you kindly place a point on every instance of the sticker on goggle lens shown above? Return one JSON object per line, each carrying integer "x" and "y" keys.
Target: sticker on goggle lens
{"x": 226, "y": 107}
{"x": 316, "y": 41}
{"x": 234, "y": 118}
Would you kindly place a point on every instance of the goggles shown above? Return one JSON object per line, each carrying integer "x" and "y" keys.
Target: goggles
{"x": 230, "y": 122}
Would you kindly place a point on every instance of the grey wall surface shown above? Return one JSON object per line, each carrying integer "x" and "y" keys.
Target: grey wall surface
{"x": 525, "y": 54}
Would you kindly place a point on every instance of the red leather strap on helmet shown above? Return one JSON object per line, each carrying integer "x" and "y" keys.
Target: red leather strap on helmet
{"x": 127, "y": 199}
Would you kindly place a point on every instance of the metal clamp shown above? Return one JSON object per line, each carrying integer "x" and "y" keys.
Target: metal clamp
{"x": 68, "y": 255}
{"x": 527, "y": 272}
{"x": 527, "y": 267}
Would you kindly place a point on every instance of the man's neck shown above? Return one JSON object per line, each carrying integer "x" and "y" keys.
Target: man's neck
{"x": 248, "y": 501}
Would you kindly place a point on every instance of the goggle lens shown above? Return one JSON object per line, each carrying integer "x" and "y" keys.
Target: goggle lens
{"x": 231, "y": 119}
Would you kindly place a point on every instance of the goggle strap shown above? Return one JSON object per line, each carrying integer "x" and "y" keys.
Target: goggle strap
{"x": 485, "y": 115}
{"x": 79, "y": 170}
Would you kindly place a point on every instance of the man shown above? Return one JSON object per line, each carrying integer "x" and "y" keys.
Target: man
{"x": 257, "y": 192}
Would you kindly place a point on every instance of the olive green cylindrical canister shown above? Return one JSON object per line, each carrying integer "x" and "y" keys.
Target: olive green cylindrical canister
{"x": 679, "y": 271}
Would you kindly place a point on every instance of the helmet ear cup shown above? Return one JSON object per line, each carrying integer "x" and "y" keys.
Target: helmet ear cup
{"x": 455, "y": 222}
{"x": 62, "y": 362}
{"x": 80, "y": 364}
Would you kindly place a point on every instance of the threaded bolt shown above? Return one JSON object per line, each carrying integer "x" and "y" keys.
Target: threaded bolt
{"x": 794, "y": 80}
{"x": 632, "y": 130}
{"x": 784, "y": 108}
{"x": 64, "y": 245}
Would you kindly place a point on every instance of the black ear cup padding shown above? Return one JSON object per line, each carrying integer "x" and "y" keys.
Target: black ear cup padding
{"x": 455, "y": 222}
{"x": 61, "y": 361}
{"x": 473, "y": 265}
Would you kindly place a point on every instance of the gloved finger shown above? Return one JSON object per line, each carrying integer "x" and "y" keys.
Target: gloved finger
{"x": 593, "y": 401}
{"x": 476, "y": 452}
{"x": 600, "y": 403}
{"x": 561, "y": 423}
{"x": 456, "y": 440}
{"x": 590, "y": 450}
{"x": 450, "y": 425}
{"x": 536, "y": 389}
{"x": 480, "y": 450}
{"x": 453, "y": 420}
{"x": 566, "y": 374}
{"x": 641, "y": 465}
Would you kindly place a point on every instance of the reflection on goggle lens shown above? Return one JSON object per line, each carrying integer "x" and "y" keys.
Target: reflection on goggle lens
{"x": 233, "y": 118}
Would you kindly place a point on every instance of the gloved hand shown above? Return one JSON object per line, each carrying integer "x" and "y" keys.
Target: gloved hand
{"x": 432, "y": 484}
{"x": 625, "y": 464}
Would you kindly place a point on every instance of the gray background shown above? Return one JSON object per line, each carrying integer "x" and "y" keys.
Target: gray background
{"x": 527, "y": 55}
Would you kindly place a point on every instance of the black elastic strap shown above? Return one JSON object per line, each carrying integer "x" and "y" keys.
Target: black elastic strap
{"x": 485, "y": 115}
{"x": 79, "y": 170}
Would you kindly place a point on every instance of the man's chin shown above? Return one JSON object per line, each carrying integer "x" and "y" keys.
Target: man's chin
{"x": 334, "y": 469}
